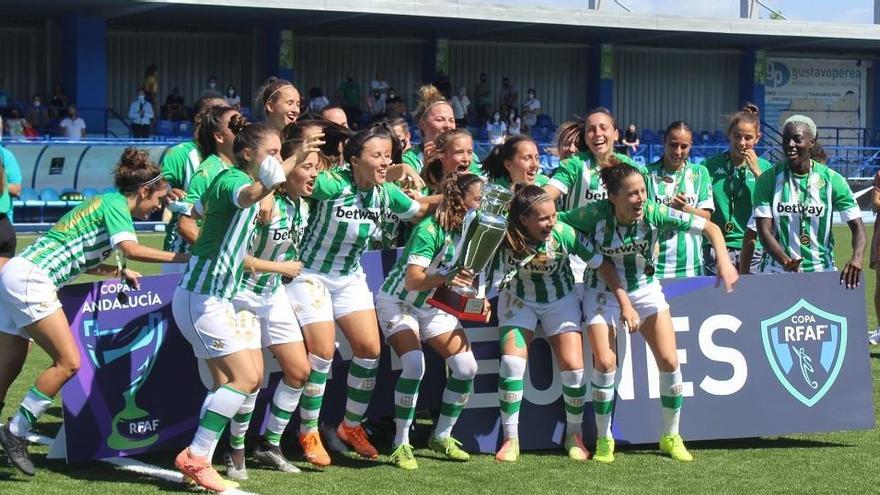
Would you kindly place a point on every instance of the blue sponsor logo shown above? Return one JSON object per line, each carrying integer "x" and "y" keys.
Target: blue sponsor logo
{"x": 777, "y": 74}
{"x": 805, "y": 347}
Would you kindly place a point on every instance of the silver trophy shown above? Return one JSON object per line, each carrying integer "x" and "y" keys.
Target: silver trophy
{"x": 481, "y": 234}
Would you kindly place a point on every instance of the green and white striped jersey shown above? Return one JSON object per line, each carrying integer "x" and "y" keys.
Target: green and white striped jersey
{"x": 208, "y": 170}
{"x": 178, "y": 167}
{"x": 345, "y": 220}
{"x": 217, "y": 264}
{"x": 277, "y": 241}
{"x": 733, "y": 186}
{"x": 429, "y": 246}
{"x": 83, "y": 238}
{"x": 681, "y": 253}
{"x": 630, "y": 246}
{"x": 577, "y": 178}
{"x": 547, "y": 277}
{"x": 803, "y": 205}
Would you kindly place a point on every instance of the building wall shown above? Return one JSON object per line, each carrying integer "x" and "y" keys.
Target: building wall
{"x": 558, "y": 72}
{"x": 653, "y": 87}
{"x": 23, "y": 64}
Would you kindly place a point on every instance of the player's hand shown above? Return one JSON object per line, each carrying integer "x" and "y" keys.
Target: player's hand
{"x": 175, "y": 195}
{"x": 312, "y": 144}
{"x": 793, "y": 265}
{"x": 410, "y": 178}
{"x": 679, "y": 201}
{"x": 630, "y": 318}
{"x": 851, "y": 274}
{"x": 487, "y": 310}
{"x": 752, "y": 160}
{"x": 267, "y": 205}
{"x": 132, "y": 278}
{"x": 428, "y": 150}
{"x": 291, "y": 269}
{"x": 464, "y": 278}
{"x": 728, "y": 275}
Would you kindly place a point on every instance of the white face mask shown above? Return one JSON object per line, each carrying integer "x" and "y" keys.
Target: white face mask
{"x": 231, "y": 92}
{"x": 212, "y": 85}
{"x": 141, "y": 98}
{"x": 37, "y": 103}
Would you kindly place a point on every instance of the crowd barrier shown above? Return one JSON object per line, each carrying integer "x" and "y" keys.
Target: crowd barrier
{"x": 753, "y": 366}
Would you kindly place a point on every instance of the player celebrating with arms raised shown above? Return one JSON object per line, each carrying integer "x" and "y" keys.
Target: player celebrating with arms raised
{"x": 626, "y": 229}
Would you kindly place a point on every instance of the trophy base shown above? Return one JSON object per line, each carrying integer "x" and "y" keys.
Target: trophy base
{"x": 462, "y": 307}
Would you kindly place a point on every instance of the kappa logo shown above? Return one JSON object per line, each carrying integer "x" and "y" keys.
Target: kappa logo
{"x": 805, "y": 347}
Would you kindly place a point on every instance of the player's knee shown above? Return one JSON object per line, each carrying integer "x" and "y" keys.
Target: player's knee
{"x": 512, "y": 367}
{"x": 413, "y": 363}
{"x": 605, "y": 362}
{"x": 68, "y": 365}
{"x": 366, "y": 350}
{"x": 463, "y": 365}
{"x": 667, "y": 363}
{"x": 298, "y": 375}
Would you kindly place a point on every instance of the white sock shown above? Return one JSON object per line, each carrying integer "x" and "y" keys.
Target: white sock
{"x": 603, "y": 401}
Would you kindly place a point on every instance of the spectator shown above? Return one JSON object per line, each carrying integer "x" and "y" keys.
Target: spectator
{"x": 317, "y": 100}
{"x": 15, "y": 124}
{"x": 59, "y": 100}
{"x": 460, "y": 104}
{"x": 380, "y": 84}
{"x": 4, "y": 98}
{"x": 531, "y": 110}
{"x": 29, "y": 131}
{"x": 210, "y": 90}
{"x": 232, "y": 98}
{"x": 335, "y": 114}
{"x": 175, "y": 109}
{"x": 483, "y": 97}
{"x": 73, "y": 127}
{"x": 443, "y": 85}
{"x": 496, "y": 128}
{"x": 631, "y": 139}
{"x": 401, "y": 130}
{"x": 350, "y": 98}
{"x": 151, "y": 83}
{"x": 140, "y": 112}
{"x": 37, "y": 114}
{"x": 376, "y": 105}
{"x": 394, "y": 106}
{"x": 508, "y": 98}
{"x": 514, "y": 123}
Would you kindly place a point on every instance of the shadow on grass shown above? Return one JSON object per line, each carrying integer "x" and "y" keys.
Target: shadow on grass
{"x": 100, "y": 472}
{"x": 762, "y": 444}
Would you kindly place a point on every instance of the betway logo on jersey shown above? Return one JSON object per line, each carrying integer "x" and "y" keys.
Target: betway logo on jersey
{"x": 667, "y": 200}
{"x": 357, "y": 214}
{"x": 591, "y": 196}
{"x": 787, "y": 209}
{"x": 631, "y": 248}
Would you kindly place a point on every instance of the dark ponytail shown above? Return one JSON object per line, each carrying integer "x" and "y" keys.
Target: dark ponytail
{"x": 525, "y": 198}
{"x": 208, "y": 123}
{"x": 613, "y": 177}
{"x": 451, "y": 211}
{"x": 135, "y": 170}
{"x": 248, "y": 135}
{"x": 493, "y": 164}
{"x": 355, "y": 145}
{"x": 750, "y": 114}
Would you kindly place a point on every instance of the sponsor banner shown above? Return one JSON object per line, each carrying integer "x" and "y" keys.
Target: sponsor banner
{"x": 832, "y": 92}
{"x": 753, "y": 366}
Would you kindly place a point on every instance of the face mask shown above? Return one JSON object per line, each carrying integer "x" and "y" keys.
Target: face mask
{"x": 391, "y": 95}
{"x": 141, "y": 98}
{"x": 37, "y": 103}
{"x": 231, "y": 92}
{"x": 212, "y": 85}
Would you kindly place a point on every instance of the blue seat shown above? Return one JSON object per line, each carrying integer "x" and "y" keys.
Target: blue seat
{"x": 29, "y": 194}
{"x": 89, "y": 192}
{"x": 165, "y": 128}
{"x": 648, "y": 137}
{"x": 184, "y": 128}
{"x": 719, "y": 137}
{"x": 49, "y": 194}
{"x": 110, "y": 189}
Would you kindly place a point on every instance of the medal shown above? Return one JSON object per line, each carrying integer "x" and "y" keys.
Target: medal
{"x": 728, "y": 227}
{"x": 805, "y": 240}
{"x": 649, "y": 270}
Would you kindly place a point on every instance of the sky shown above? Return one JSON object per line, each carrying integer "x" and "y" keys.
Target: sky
{"x": 853, "y": 11}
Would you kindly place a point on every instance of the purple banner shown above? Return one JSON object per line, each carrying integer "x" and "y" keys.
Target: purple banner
{"x": 752, "y": 365}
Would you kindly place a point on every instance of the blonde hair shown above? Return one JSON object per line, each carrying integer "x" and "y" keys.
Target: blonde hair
{"x": 429, "y": 96}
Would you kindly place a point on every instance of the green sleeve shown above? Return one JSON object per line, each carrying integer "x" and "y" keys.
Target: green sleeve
{"x": 197, "y": 187}
{"x": 424, "y": 243}
{"x": 841, "y": 195}
{"x": 174, "y": 167}
{"x": 582, "y": 218}
{"x": 117, "y": 218}
{"x": 574, "y": 242}
{"x": 411, "y": 158}
{"x": 230, "y": 184}
{"x": 328, "y": 185}
{"x": 567, "y": 174}
{"x": 400, "y": 203}
{"x": 705, "y": 197}
{"x": 670, "y": 219}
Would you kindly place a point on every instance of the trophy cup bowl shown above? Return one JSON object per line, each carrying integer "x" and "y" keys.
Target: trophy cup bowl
{"x": 482, "y": 232}
{"x": 139, "y": 343}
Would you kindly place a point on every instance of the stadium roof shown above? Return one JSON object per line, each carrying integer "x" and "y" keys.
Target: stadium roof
{"x": 471, "y": 19}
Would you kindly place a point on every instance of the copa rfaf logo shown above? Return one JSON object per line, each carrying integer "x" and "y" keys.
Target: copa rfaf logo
{"x": 805, "y": 347}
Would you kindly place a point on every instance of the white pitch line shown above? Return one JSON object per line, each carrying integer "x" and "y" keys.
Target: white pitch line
{"x": 136, "y": 466}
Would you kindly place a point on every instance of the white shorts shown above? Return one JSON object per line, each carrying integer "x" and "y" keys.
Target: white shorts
{"x": 317, "y": 297}
{"x": 427, "y": 322}
{"x": 557, "y": 317}
{"x": 273, "y": 316}
{"x": 27, "y": 295}
{"x": 601, "y": 308}
{"x": 211, "y": 326}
